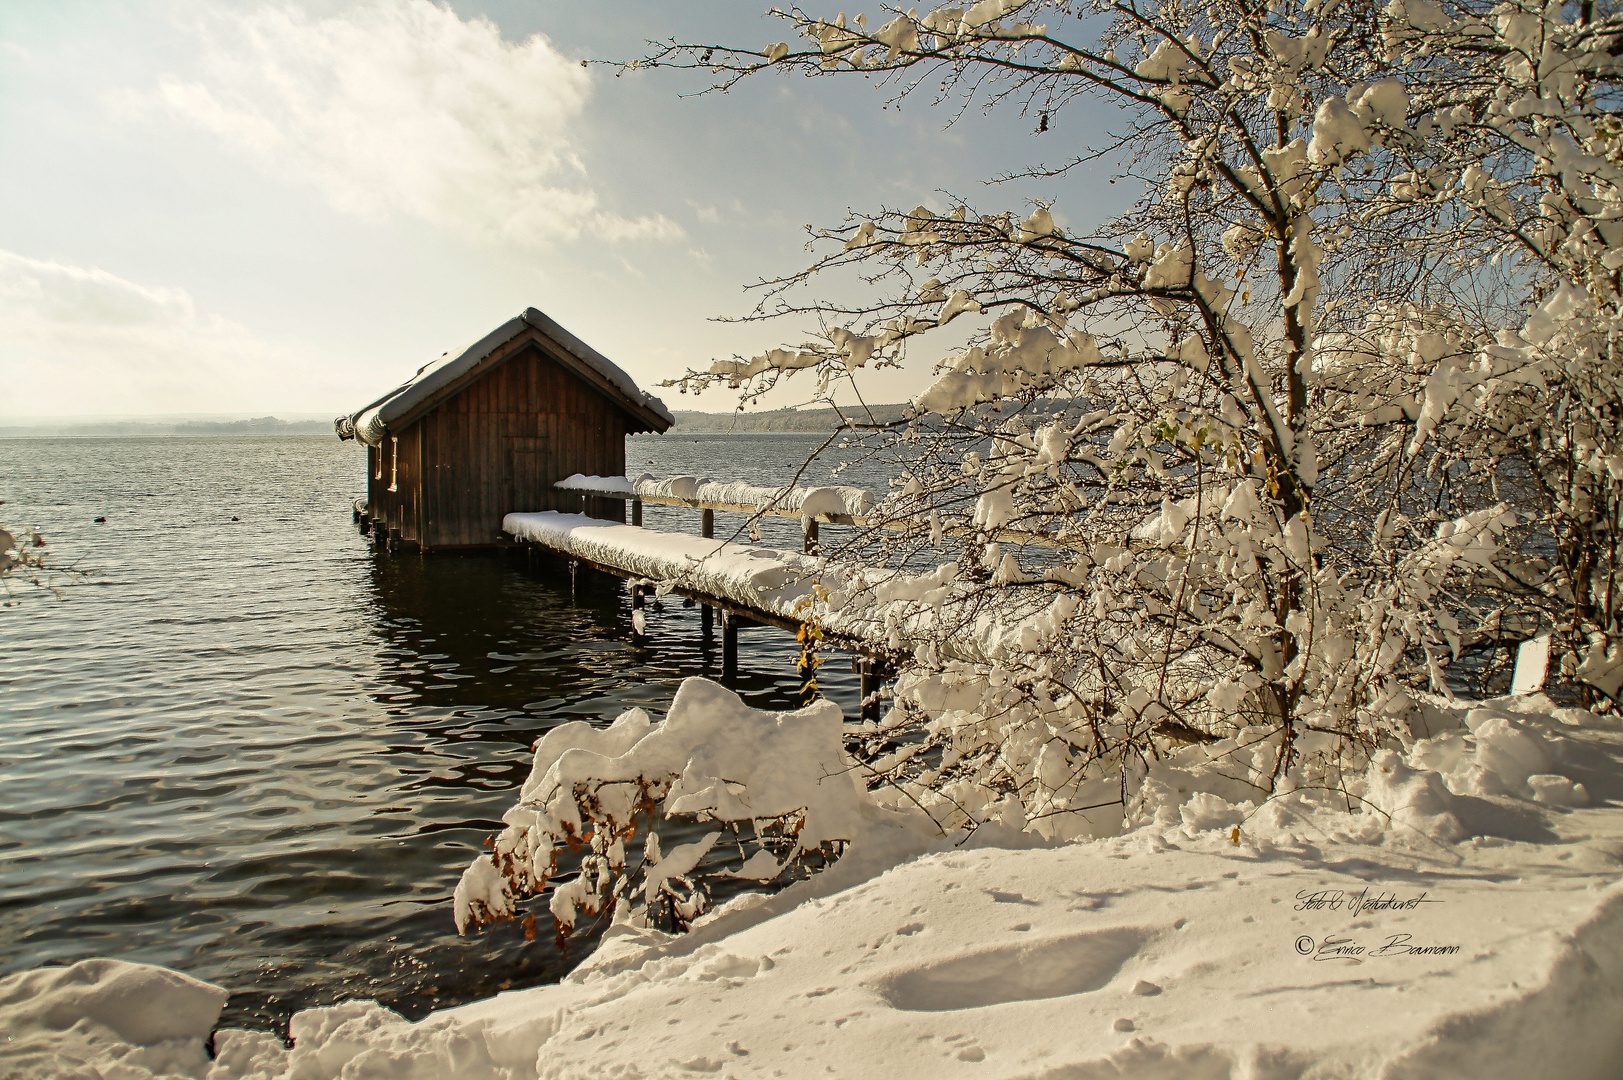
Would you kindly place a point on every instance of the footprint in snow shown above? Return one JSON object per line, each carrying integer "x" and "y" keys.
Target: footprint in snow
{"x": 1024, "y": 971}
{"x": 1145, "y": 989}
{"x": 909, "y": 929}
{"x": 1009, "y": 898}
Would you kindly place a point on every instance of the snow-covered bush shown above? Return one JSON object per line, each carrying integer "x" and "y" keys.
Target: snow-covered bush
{"x": 778, "y": 782}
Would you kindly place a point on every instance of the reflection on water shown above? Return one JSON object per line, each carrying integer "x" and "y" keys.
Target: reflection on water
{"x": 257, "y": 752}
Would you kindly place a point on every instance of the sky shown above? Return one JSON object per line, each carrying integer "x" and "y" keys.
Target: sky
{"x": 287, "y": 207}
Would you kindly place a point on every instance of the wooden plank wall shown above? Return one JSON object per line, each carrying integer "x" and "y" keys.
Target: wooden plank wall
{"x": 499, "y": 446}
{"x": 393, "y": 488}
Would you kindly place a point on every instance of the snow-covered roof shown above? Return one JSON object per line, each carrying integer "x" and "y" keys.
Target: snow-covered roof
{"x": 375, "y": 421}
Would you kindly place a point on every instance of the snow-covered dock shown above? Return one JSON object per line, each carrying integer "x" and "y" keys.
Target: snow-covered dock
{"x": 748, "y": 584}
{"x": 747, "y": 580}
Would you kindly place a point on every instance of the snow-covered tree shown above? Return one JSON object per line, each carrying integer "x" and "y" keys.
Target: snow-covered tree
{"x": 1335, "y": 403}
{"x": 1304, "y": 312}
{"x": 1518, "y": 127}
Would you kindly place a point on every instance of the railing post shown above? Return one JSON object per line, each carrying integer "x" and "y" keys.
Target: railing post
{"x": 636, "y": 512}
{"x": 809, "y": 541}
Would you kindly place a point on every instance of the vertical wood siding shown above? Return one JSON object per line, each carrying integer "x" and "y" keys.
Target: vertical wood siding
{"x": 498, "y": 446}
{"x": 393, "y": 484}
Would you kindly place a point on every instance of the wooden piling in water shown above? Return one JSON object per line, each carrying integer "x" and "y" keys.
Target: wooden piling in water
{"x": 873, "y": 667}
{"x": 729, "y": 647}
{"x": 707, "y": 530}
{"x": 872, "y": 673}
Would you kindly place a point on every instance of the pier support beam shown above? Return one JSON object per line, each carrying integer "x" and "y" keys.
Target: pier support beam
{"x": 707, "y": 617}
{"x": 874, "y": 671}
{"x": 729, "y": 647}
{"x": 636, "y": 512}
{"x": 639, "y": 602}
{"x": 809, "y": 541}
{"x": 872, "y": 679}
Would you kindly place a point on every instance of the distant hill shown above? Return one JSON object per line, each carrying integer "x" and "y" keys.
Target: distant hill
{"x": 264, "y": 425}
{"x": 784, "y": 419}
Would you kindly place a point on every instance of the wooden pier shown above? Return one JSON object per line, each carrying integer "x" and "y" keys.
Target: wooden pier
{"x": 869, "y": 660}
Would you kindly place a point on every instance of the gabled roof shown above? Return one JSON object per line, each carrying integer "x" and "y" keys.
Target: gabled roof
{"x": 433, "y": 383}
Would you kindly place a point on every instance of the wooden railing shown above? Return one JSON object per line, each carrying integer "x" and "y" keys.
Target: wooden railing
{"x": 906, "y": 526}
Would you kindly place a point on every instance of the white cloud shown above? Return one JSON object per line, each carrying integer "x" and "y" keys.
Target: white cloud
{"x": 80, "y": 341}
{"x": 400, "y": 107}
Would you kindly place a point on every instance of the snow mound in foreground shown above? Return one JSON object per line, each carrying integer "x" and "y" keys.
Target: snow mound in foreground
{"x": 1466, "y": 924}
{"x": 105, "y": 1018}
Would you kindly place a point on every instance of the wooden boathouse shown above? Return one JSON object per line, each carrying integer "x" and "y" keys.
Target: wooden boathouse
{"x": 480, "y": 433}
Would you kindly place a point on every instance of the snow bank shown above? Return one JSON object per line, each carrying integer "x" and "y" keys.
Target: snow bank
{"x": 105, "y": 1018}
{"x": 1317, "y": 934}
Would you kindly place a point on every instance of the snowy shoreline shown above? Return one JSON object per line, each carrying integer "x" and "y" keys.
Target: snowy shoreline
{"x": 1489, "y": 943}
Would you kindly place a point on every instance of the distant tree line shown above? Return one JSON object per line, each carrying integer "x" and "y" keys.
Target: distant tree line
{"x": 264, "y": 425}
{"x": 786, "y": 419}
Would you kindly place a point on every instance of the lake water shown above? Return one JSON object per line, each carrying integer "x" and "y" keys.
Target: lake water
{"x": 248, "y": 747}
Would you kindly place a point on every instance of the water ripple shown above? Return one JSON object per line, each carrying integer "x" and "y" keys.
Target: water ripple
{"x": 256, "y": 751}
